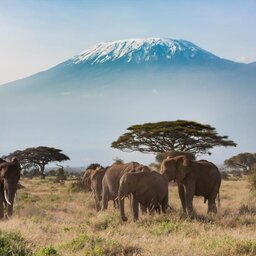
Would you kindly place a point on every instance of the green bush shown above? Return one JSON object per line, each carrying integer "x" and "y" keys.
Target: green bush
{"x": 60, "y": 174}
{"x": 92, "y": 245}
{"x": 46, "y": 251}
{"x": 13, "y": 244}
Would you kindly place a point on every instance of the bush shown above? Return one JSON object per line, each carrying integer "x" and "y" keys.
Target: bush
{"x": 77, "y": 186}
{"x": 97, "y": 246}
{"x": 46, "y": 251}
{"x": 236, "y": 173}
{"x": 13, "y": 244}
{"x": 60, "y": 174}
{"x": 224, "y": 175}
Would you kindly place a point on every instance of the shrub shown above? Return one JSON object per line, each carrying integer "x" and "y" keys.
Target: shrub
{"x": 97, "y": 246}
{"x": 13, "y": 244}
{"x": 224, "y": 175}
{"x": 46, "y": 251}
{"x": 60, "y": 174}
{"x": 77, "y": 186}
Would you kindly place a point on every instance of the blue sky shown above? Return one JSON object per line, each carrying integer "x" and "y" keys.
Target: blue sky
{"x": 36, "y": 35}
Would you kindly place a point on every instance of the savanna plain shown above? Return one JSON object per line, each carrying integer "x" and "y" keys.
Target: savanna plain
{"x": 60, "y": 219}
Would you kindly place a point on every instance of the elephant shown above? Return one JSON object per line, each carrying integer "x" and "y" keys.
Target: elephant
{"x": 86, "y": 179}
{"x": 194, "y": 178}
{"x": 111, "y": 179}
{"x": 150, "y": 189}
{"x": 96, "y": 185}
{"x": 9, "y": 178}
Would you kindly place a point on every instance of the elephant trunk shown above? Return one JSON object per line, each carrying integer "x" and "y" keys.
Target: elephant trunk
{"x": 9, "y": 197}
{"x": 121, "y": 195}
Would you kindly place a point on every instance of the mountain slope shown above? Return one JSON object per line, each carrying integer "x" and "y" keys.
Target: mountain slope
{"x": 110, "y": 60}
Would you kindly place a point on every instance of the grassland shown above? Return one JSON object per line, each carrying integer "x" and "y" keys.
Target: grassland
{"x": 53, "y": 220}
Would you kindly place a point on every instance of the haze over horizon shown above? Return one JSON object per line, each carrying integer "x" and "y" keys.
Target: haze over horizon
{"x": 38, "y": 36}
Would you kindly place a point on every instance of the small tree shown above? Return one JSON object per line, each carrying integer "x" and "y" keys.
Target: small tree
{"x": 39, "y": 157}
{"x": 244, "y": 161}
{"x": 60, "y": 174}
{"x": 118, "y": 160}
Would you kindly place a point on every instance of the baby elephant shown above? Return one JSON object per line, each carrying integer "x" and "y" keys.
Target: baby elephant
{"x": 150, "y": 189}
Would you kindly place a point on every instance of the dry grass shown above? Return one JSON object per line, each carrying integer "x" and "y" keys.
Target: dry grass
{"x": 50, "y": 215}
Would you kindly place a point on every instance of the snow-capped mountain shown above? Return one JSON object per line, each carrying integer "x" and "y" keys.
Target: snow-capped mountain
{"x": 111, "y": 62}
{"x": 142, "y": 51}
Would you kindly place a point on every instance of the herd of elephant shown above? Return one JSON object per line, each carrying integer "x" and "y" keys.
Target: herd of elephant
{"x": 146, "y": 188}
{"x": 149, "y": 189}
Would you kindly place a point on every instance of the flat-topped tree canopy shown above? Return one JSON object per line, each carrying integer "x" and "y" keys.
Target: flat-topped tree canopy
{"x": 165, "y": 136}
{"x": 244, "y": 161}
{"x": 39, "y": 157}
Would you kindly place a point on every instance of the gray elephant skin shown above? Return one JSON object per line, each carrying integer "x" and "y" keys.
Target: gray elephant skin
{"x": 96, "y": 185}
{"x": 9, "y": 178}
{"x": 111, "y": 179}
{"x": 149, "y": 189}
{"x": 194, "y": 178}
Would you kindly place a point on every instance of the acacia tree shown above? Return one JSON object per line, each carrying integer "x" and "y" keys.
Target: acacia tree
{"x": 244, "y": 161}
{"x": 167, "y": 136}
{"x": 38, "y": 157}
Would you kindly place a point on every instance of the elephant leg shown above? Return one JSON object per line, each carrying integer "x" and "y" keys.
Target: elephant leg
{"x": 115, "y": 204}
{"x": 212, "y": 204}
{"x": 143, "y": 209}
{"x": 164, "y": 204}
{"x": 135, "y": 209}
{"x": 105, "y": 195}
{"x": 158, "y": 208}
{"x": 182, "y": 197}
{"x": 189, "y": 194}
{"x": 97, "y": 203}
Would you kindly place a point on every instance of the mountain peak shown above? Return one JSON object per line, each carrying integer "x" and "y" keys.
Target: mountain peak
{"x": 139, "y": 51}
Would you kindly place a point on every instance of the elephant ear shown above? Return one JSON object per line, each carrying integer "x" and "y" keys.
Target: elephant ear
{"x": 183, "y": 168}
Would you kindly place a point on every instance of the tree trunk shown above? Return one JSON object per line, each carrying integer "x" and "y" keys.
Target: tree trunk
{"x": 42, "y": 171}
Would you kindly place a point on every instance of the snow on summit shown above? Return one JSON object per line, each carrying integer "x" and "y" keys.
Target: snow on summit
{"x": 142, "y": 51}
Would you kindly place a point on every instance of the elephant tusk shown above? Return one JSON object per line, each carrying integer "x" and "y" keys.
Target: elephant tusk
{"x": 5, "y": 196}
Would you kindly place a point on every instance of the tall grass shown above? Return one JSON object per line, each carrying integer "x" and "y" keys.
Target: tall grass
{"x": 54, "y": 220}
